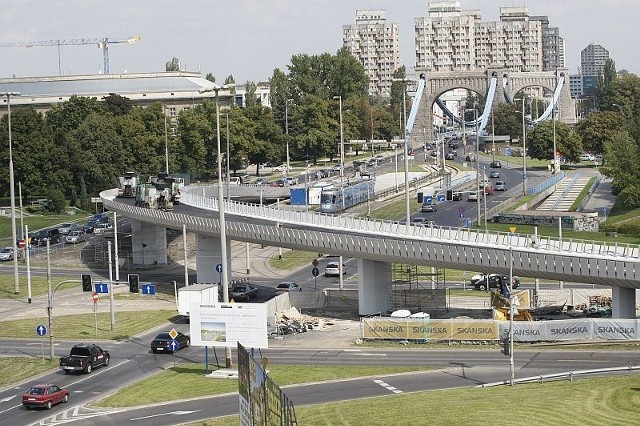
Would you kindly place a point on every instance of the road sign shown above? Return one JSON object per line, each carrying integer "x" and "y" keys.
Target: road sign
{"x": 507, "y": 151}
{"x": 173, "y": 333}
{"x": 41, "y": 330}
{"x": 441, "y": 197}
{"x": 21, "y": 244}
{"x": 512, "y": 229}
{"x": 96, "y": 199}
{"x": 148, "y": 288}
{"x": 94, "y": 296}
{"x": 427, "y": 199}
{"x": 468, "y": 223}
{"x": 315, "y": 263}
{"x": 219, "y": 268}
{"x": 174, "y": 345}
{"x": 461, "y": 211}
{"x": 101, "y": 287}
{"x": 315, "y": 272}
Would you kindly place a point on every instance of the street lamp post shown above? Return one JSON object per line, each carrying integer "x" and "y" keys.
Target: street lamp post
{"x": 166, "y": 142}
{"x": 475, "y": 119}
{"x": 553, "y": 120}
{"x": 341, "y": 142}
{"x": 12, "y": 190}
{"x": 224, "y": 276}
{"x": 286, "y": 128}
{"x": 524, "y": 151}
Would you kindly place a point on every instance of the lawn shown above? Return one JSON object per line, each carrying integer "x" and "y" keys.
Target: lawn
{"x": 39, "y": 285}
{"x": 17, "y": 369}
{"x": 188, "y": 381}
{"x": 610, "y": 400}
{"x": 83, "y": 327}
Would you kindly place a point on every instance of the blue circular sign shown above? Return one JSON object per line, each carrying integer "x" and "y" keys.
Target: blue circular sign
{"x": 41, "y": 330}
{"x": 219, "y": 267}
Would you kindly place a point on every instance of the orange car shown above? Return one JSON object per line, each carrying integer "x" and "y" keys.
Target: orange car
{"x": 44, "y": 396}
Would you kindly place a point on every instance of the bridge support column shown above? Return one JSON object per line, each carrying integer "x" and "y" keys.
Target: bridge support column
{"x": 208, "y": 256}
{"x": 148, "y": 243}
{"x": 624, "y": 302}
{"x": 374, "y": 287}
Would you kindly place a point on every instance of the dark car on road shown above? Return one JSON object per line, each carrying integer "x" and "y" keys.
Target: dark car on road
{"x": 244, "y": 292}
{"x": 39, "y": 238}
{"x": 496, "y": 164}
{"x": 44, "y": 396}
{"x": 480, "y": 282}
{"x": 162, "y": 342}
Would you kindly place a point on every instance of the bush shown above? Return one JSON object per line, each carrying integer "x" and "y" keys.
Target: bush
{"x": 57, "y": 203}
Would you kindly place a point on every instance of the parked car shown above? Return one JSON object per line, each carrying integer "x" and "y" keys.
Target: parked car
{"x": 450, "y": 156}
{"x": 456, "y": 196}
{"x": 495, "y": 164}
{"x": 45, "y": 396}
{"x": 6, "y": 253}
{"x": 472, "y": 196}
{"x": 494, "y": 174}
{"x": 162, "y": 342}
{"x": 261, "y": 181}
{"x": 243, "y": 177}
{"x": 243, "y": 292}
{"x": 418, "y": 221}
{"x": 429, "y": 207}
{"x": 101, "y": 228}
{"x": 76, "y": 237}
{"x": 500, "y": 185}
{"x": 336, "y": 168}
{"x": 95, "y": 220}
{"x": 286, "y": 287}
{"x": 65, "y": 228}
{"x": 291, "y": 180}
{"x": 585, "y": 156}
{"x": 323, "y": 173}
{"x": 282, "y": 168}
{"x": 333, "y": 269}
{"x": 480, "y": 282}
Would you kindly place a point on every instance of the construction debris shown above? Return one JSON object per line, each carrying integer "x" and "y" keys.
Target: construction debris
{"x": 292, "y": 321}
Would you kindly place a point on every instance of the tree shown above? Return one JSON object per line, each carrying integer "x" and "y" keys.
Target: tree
{"x": 605, "y": 80}
{"x": 210, "y": 77}
{"x": 506, "y": 121}
{"x": 117, "y": 105}
{"x": 597, "y": 128}
{"x": 250, "y": 99}
{"x": 623, "y": 155}
{"x": 540, "y": 142}
{"x": 173, "y": 65}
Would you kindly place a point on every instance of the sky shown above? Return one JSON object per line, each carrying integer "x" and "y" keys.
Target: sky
{"x": 250, "y": 38}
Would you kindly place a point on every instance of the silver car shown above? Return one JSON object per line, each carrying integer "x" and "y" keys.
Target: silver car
{"x": 76, "y": 237}
{"x": 6, "y": 253}
{"x": 500, "y": 185}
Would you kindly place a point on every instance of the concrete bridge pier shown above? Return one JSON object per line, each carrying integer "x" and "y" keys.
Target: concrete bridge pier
{"x": 208, "y": 255}
{"x": 374, "y": 287}
{"x": 624, "y": 302}
{"x": 148, "y": 243}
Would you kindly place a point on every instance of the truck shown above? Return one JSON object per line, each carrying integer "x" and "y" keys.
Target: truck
{"x": 196, "y": 293}
{"x": 150, "y": 197}
{"x": 128, "y": 184}
{"x": 169, "y": 185}
{"x": 84, "y": 358}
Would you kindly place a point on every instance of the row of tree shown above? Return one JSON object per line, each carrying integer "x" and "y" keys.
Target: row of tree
{"x": 79, "y": 147}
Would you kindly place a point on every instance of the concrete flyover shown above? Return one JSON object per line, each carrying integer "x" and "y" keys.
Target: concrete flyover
{"x": 377, "y": 244}
{"x": 440, "y": 82}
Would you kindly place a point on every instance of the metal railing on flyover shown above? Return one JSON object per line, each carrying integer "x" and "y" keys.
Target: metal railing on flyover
{"x": 464, "y": 236}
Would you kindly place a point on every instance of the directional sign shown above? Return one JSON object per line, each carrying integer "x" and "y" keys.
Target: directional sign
{"x": 174, "y": 345}
{"x": 148, "y": 288}
{"x": 427, "y": 199}
{"x": 461, "y": 211}
{"x": 101, "y": 287}
{"x": 315, "y": 272}
{"x": 41, "y": 330}
{"x": 468, "y": 223}
{"x": 219, "y": 268}
{"x": 441, "y": 198}
{"x": 94, "y": 296}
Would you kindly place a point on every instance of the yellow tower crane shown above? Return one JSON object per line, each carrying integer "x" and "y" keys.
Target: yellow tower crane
{"x": 102, "y": 43}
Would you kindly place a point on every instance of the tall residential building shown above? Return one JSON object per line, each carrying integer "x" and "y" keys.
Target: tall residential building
{"x": 375, "y": 43}
{"x": 451, "y": 38}
{"x": 592, "y": 59}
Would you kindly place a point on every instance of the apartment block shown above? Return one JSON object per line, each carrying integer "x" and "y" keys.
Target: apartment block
{"x": 376, "y": 44}
{"x": 592, "y": 59}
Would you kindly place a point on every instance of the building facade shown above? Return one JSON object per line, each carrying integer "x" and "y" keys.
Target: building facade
{"x": 451, "y": 39}
{"x": 592, "y": 59}
{"x": 376, "y": 44}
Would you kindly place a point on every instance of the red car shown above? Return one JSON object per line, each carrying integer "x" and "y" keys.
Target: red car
{"x": 44, "y": 396}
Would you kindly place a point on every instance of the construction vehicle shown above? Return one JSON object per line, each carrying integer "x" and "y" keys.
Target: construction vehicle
{"x": 148, "y": 196}
{"x": 128, "y": 184}
{"x": 171, "y": 184}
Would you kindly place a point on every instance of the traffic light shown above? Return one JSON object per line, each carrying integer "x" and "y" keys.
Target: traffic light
{"x": 420, "y": 197}
{"x": 449, "y": 195}
{"x": 87, "y": 285}
{"x": 134, "y": 281}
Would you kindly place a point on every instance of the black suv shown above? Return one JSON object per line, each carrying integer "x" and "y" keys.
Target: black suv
{"x": 94, "y": 220}
{"x": 494, "y": 281}
{"x": 39, "y": 238}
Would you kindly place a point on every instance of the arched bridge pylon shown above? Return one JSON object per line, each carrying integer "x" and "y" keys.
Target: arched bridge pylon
{"x": 439, "y": 82}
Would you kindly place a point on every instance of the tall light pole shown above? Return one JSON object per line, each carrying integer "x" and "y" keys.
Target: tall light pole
{"x": 286, "y": 128}
{"x": 228, "y": 161}
{"x": 14, "y": 242}
{"x": 553, "y": 119}
{"x": 341, "y": 142}
{"x": 406, "y": 149}
{"x": 166, "y": 141}
{"x": 475, "y": 118}
{"x": 524, "y": 151}
{"x": 224, "y": 276}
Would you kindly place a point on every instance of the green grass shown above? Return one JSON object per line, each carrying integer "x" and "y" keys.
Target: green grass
{"x": 36, "y": 222}
{"x": 292, "y": 259}
{"x": 583, "y": 194}
{"x": 188, "y": 381}
{"x": 17, "y": 369}
{"x": 585, "y": 402}
{"x": 83, "y": 327}
{"x": 39, "y": 285}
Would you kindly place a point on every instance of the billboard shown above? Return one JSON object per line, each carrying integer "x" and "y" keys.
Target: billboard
{"x": 226, "y": 325}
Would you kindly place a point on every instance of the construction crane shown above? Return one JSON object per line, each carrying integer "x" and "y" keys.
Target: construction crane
{"x": 102, "y": 43}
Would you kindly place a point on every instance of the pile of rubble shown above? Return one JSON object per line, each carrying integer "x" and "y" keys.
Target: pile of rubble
{"x": 292, "y": 321}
